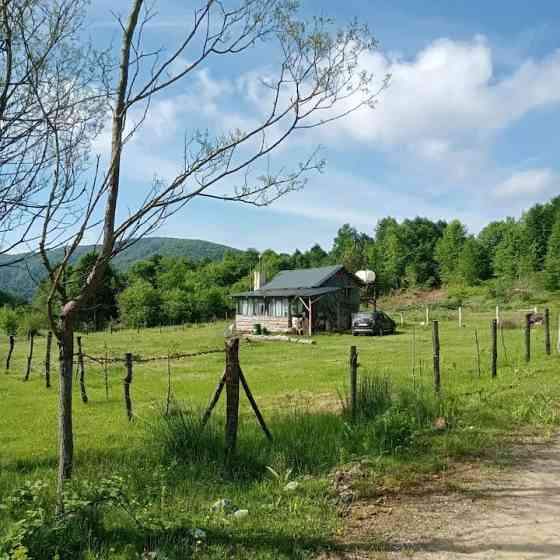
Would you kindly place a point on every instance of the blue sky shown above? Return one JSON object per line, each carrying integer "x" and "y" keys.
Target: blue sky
{"x": 467, "y": 129}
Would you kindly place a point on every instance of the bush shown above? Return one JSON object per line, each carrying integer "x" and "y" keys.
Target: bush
{"x": 31, "y": 321}
{"x": 8, "y": 320}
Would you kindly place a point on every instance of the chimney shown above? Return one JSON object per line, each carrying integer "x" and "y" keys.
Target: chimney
{"x": 259, "y": 279}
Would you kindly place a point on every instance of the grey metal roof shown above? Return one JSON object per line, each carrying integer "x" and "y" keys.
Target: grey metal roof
{"x": 288, "y": 292}
{"x": 303, "y": 278}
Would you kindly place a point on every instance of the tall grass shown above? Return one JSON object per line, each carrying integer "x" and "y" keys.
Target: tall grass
{"x": 389, "y": 423}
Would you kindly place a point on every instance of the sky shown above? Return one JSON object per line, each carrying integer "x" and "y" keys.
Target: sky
{"x": 468, "y": 127}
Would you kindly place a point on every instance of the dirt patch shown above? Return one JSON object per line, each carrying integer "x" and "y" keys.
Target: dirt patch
{"x": 471, "y": 512}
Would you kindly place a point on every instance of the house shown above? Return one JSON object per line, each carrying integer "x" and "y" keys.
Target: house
{"x": 324, "y": 298}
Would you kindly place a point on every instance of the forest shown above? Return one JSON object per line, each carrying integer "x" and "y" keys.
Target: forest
{"x": 508, "y": 258}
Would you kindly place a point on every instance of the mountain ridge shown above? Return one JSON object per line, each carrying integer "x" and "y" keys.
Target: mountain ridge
{"x": 21, "y": 279}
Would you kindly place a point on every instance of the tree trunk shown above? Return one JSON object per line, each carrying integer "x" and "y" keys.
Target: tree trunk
{"x": 65, "y": 432}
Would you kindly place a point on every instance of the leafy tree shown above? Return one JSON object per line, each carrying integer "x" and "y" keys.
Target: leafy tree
{"x": 177, "y": 306}
{"x": 349, "y": 248}
{"x": 448, "y": 250}
{"x": 418, "y": 239}
{"x": 316, "y": 256}
{"x": 9, "y": 319}
{"x": 552, "y": 261}
{"x": 514, "y": 256}
{"x": 388, "y": 261}
{"x": 491, "y": 236}
{"x": 472, "y": 265}
{"x": 139, "y": 305}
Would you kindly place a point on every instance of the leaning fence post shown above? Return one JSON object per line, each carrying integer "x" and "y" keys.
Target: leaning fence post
{"x": 528, "y": 337}
{"x": 494, "y": 348}
{"x": 232, "y": 399}
{"x": 435, "y": 339}
{"x": 29, "y": 355}
{"x": 547, "y": 331}
{"x": 353, "y": 381}
{"x": 12, "y": 341}
{"x": 127, "y": 382}
{"x": 82, "y": 371}
{"x": 48, "y": 360}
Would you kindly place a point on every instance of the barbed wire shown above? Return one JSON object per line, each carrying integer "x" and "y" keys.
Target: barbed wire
{"x": 145, "y": 359}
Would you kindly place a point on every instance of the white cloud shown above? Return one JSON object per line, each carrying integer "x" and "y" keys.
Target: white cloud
{"x": 447, "y": 101}
{"x": 450, "y": 87}
{"x": 528, "y": 183}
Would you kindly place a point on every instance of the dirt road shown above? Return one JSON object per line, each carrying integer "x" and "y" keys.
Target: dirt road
{"x": 513, "y": 514}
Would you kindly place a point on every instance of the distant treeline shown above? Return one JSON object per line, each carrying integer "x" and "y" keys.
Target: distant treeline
{"x": 415, "y": 253}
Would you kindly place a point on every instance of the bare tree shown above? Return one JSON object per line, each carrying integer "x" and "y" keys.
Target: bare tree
{"x": 317, "y": 80}
{"x": 47, "y": 82}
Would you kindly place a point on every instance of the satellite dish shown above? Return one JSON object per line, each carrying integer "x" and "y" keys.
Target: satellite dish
{"x": 366, "y": 276}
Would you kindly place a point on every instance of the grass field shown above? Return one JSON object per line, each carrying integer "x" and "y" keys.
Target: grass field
{"x": 173, "y": 482}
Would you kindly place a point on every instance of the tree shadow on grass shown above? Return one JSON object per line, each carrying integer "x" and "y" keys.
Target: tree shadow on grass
{"x": 246, "y": 543}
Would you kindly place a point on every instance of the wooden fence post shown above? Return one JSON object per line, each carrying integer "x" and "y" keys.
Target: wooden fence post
{"x": 105, "y": 373}
{"x": 494, "y": 348}
{"x": 29, "y": 356}
{"x": 353, "y": 382}
{"x": 477, "y": 344}
{"x": 427, "y": 315}
{"x": 547, "y": 331}
{"x": 437, "y": 373}
{"x": 460, "y": 317}
{"x": 12, "y": 341}
{"x": 82, "y": 371}
{"x": 48, "y": 360}
{"x": 232, "y": 400}
{"x": 498, "y": 314}
{"x": 528, "y": 337}
{"x": 127, "y": 382}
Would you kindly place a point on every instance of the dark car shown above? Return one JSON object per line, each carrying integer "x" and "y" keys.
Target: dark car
{"x": 372, "y": 323}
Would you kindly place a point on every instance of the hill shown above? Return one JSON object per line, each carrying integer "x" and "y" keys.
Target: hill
{"x": 21, "y": 279}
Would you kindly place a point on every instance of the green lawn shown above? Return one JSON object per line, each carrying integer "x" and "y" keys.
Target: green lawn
{"x": 283, "y": 377}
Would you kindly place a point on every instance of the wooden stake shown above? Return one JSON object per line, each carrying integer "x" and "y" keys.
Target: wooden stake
{"x": 413, "y": 356}
{"x": 214, "y": 400}
{"x": 127, "y": 382}
{"x": 82, "y": 371}
{"x": 477, "y": 352}
{"x": 494, "y": 348}
{"x": 547, "y": 347}
{"x": 402, "y": 319}
{"x": 232, "y": 400}
{"x": 29, "y": 356}
{"x": 168, "y": 400}
{"x": 460, "y": 317}
{"x": 12, "y": 342}
{"x": 48, "y": 360}
{"x": 427, "y": 315}
{"x": 254, "y": 405}
{"x": 353, "y": 381}
{"x": 437, "y": 373}
{"x": 105, "y": 373}
{"x": 498, "y": 314}
{"x": 528, "y": 337}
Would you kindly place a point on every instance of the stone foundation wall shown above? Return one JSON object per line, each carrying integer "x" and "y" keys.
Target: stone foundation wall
{"x": 245, "y": 323}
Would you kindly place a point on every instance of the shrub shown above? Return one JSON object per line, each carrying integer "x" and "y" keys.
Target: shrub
{"x": 8, "y": 320}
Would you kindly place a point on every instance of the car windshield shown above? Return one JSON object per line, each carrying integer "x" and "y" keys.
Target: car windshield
{"x": 363, "y": 315}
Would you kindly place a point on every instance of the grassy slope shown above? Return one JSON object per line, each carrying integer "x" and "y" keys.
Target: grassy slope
{"x": 282, "y": 377}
